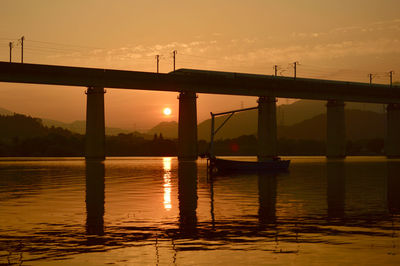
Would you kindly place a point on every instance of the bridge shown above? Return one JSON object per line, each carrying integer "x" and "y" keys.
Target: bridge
{"x": 189, "y": 83}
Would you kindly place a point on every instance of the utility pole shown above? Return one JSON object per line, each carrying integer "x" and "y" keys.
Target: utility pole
{"x": 22, "y": 49}
{"x": 371, "y": 76}
{"x": 158, "y": 62}
{"x": 174, "y": 52}
{"x": 391, "y": 77}
{"x": 276, "y": 70}
{"x": 295, "y": 64}
{"x": 11, "y": 46}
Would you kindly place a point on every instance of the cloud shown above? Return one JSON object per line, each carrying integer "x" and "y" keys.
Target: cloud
{"x": 374, "y": 26}
{"x": 320, "y": 51}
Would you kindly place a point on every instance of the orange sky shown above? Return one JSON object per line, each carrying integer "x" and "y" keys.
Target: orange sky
{"x": 331, "y": 39}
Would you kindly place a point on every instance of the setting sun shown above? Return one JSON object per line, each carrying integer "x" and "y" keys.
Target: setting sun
{"x": 167, "y": 111}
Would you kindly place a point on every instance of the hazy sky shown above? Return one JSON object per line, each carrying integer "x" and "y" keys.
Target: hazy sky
{"x": 339, "y": 39}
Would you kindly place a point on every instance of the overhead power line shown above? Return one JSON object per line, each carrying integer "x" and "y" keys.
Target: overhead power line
{"x": 224, "y": 63}
{"x": 63, "y": 44}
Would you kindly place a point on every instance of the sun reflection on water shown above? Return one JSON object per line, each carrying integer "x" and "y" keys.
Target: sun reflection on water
{"x": 167, "y": 183}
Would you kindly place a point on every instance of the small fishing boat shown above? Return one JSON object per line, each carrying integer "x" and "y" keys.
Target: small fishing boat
{"x": 223, "y": 165}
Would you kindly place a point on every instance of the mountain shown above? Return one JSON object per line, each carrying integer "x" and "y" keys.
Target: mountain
{"x": 5, "y": 112}
{"x": 80, "y": 127}
{"x": 245, "y": 123}
{"x": 359, "y": 125}
{"x": 290, "y": 114}
{"x": 22, "y": 135}
{"x": 167, "y": 129}
{"x": 18, "y": 126}
{"x": 75, "y": 127}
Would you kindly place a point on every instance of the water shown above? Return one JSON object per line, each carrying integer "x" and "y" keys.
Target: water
{"x": 135, "y": 211}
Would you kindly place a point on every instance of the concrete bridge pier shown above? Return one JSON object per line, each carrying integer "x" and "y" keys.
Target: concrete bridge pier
{"x": 95, "y": 125}
{"x": 267, "y": 130}
{"x": 336, "y": 130}
{"x": 187, "y": 127}
{"x": 393, "y": 131}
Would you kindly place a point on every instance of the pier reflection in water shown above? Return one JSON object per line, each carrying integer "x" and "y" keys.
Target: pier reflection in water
{"x": 393, "y": 187}
{"x": 267, "y": 188}
{"x": 95, "y": 197}
{"x": 336, "y": 189}
{"x": 187, "y": 195}
{"x": 156, "y": 210}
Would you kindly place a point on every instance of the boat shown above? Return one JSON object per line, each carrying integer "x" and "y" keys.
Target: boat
{"x": 226, "y": 166}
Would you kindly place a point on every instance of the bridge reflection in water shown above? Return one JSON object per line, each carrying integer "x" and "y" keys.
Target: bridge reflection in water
{"x": 267, "y": 190}
{"x": 267, "y": 195}
{"x": 393, "y": 187}
{"x": 336, "y": 190}
{"x": 351, "y": 206}
{"x": 187, "y": 195}
{"x": 267, "y": 221}
{"x": 95, "y": 197}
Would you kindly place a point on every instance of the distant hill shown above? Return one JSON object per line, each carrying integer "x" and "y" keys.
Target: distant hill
{"x": 290, "y": 114}
{"x": 5, "y": 112}
{"x": 167, "y": 129}
{"x": 18, "y": 126}
{"x": 76, "y": 126}
{"x": 359, "y": 125}
{"x": 244, "y": 123}
{"x": 80, "y": 127}
{"x": 22, "y": 135}
{"x": 289, "y": 117}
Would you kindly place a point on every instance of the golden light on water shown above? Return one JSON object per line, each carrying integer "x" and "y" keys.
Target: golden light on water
{"x": 167, "y": 183}
{"x": 167, "y": 111}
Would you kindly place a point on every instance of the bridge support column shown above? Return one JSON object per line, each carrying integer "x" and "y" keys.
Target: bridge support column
{"x": 393, "y": 131}
{"x": 336, "y": 130}
{"x": 95, "y": 125}
{"x": 187, "y": 127}
{"x": 267, "y": 136}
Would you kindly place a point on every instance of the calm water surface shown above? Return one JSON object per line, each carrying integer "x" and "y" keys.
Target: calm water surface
{"x": 156, "y": 211}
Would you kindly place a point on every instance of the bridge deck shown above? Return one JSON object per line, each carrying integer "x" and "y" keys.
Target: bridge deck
{"x": 200, "y": 81}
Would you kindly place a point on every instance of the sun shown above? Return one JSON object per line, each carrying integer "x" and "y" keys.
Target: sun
{"x": 167, "y": 111}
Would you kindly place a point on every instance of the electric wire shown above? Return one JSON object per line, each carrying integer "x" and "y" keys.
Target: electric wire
{"x": 187, "y": 60}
